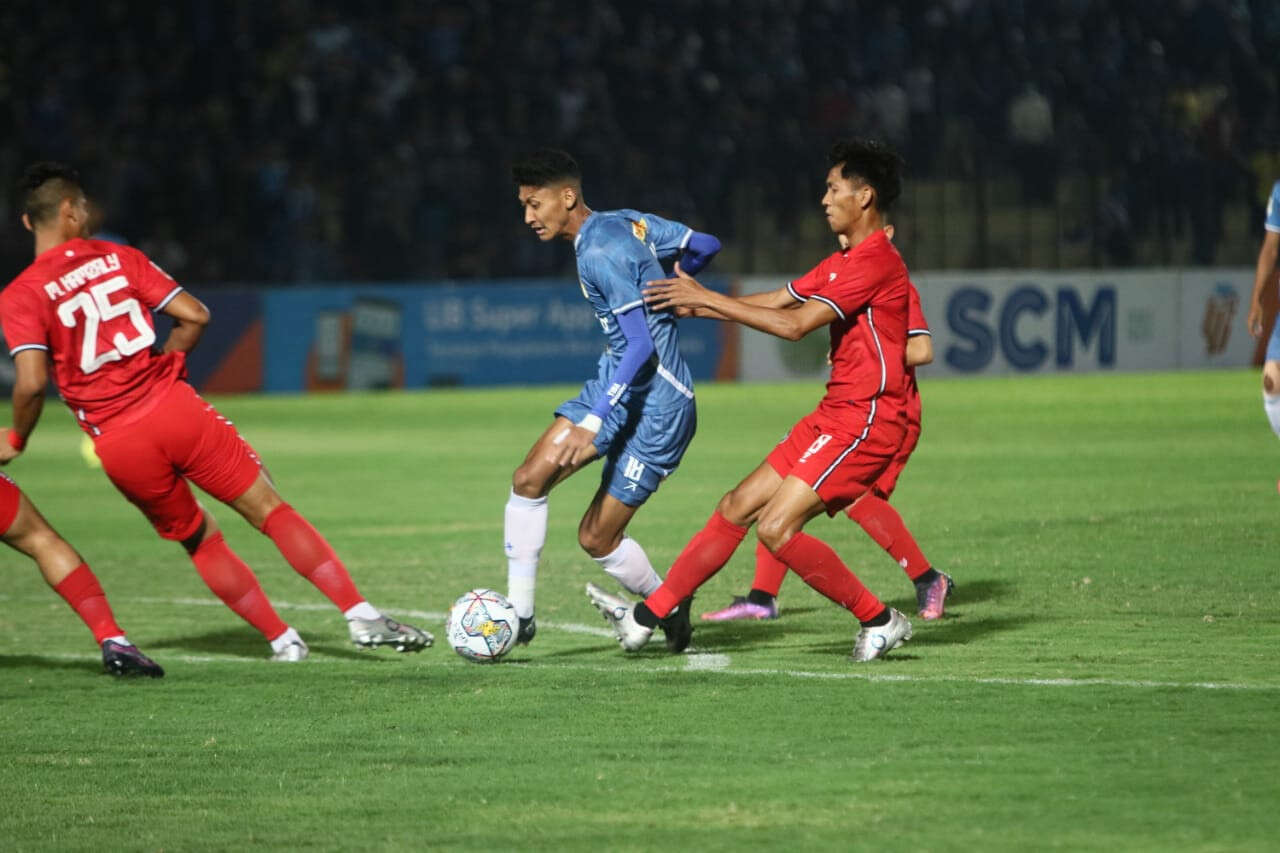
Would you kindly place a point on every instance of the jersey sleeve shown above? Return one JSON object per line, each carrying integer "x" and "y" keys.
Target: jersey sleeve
{"x": 668, "y": 237}
{"x": 23, "y": 319}
{"x": 849, "y": 290}
{"x": 811, "y": 282}
{"x": 615, "y": 273}
{"x": 154, "y": 287}
{"x": 1272, "y": 222}
{"x": 916, "y": 323}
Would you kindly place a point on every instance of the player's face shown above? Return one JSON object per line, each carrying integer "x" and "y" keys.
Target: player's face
{"x": 546, "y": 209}
{"x": 845, "y": 201}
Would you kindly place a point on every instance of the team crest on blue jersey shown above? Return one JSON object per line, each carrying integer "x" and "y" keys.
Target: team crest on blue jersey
{"x": 640, "y": 229}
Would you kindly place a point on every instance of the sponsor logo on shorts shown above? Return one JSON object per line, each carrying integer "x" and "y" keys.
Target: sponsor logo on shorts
{"x": 633, "y": 470}
{"x": 818, "y": 443}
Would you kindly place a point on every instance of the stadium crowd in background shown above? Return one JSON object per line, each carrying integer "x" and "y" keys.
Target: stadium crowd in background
{"x": 318, "y": 140}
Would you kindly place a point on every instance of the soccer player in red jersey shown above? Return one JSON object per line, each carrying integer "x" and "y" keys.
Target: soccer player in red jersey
{"x": 833, "y": 455}
{"x": 85, "y": 305}
{"x": 24, "y": 529}
{"x": 872, "y": 511}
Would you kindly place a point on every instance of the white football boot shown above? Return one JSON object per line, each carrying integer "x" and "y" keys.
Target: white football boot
{"x": 385, "y": 631}
{"x": 292, "y": 653}
{"x": 872, "y": 643}
{"x": 620, "y": 615}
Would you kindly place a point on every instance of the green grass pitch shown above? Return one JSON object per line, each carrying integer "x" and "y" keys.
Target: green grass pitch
{"x": 1108, "y": 675}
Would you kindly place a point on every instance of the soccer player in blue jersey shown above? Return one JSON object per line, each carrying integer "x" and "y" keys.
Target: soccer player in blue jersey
{"x": 1264, "y": 276}
{"x": 637, "y": 413}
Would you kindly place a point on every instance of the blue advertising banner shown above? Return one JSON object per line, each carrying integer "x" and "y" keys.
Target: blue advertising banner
{"x": 1033, "y": 322}
{"x": 415, "y": 336}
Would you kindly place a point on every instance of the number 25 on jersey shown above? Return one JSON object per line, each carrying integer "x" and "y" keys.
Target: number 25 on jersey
{"x": 96, "y": 306}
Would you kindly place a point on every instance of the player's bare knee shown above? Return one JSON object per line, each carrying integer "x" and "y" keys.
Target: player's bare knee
{"x": 1271, "y": 377}
{"x": 530, "y": 481}
{"x": 736, "y": 508}
{"x": 598, "y": 543}
{"x": 773, "y": 533}
{"x": 42, "y": 544}
{"x": 522, "y": 483}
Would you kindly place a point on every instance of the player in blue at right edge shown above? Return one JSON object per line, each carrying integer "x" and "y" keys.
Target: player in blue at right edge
{"x": 1264, "y": 276}
{"x": 637, "y": 413}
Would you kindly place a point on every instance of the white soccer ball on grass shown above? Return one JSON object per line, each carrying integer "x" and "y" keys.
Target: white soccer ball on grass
{"x": 482, "y": 625}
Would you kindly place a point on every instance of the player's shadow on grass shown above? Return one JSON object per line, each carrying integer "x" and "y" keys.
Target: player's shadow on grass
{"x": 969, "y": 592}
{"x": 41, "y": 662}
{"x": 782, "y": 611}
{"x": 944, "y": 632}
{"x": 239, "y": 643}
{"x": 605, "y": 645}
{"x": 726, "y": 636}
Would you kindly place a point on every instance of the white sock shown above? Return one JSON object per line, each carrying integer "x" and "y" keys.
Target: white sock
{"x": 524, "y": 532}
{"x": 1271, "y": 404}
{"x": 630, "y": 565}
{"x": 363, "y": 610}
{"x": 118, "y": 638}
{"x": 286, "y": 639}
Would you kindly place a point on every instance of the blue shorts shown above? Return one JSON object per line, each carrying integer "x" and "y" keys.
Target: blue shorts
{"x": 1273, "y": 343}
{"x": 639, "y": 449}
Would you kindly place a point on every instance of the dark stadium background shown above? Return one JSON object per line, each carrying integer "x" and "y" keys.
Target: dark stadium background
{"x": 241, "y": 141}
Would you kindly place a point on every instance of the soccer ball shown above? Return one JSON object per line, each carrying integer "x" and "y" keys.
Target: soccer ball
{"x": 482, "y": 625}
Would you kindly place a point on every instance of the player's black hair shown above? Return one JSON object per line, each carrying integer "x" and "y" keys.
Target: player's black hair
{"x": 544, "y": 167}
{"x": 42, "y": 188}
{"x": 872, "y": 162}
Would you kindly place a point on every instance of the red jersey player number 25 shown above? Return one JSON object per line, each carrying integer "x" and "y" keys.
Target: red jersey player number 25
{"x": 90, "y": 303}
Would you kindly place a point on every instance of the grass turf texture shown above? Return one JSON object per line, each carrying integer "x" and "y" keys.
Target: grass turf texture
{"x": 1106, "y": 677}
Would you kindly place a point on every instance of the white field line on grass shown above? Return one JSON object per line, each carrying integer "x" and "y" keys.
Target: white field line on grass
{"x": 430, "y": 616}
{"x": 695, "y": 660}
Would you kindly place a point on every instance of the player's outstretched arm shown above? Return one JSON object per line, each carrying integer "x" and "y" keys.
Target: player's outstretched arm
{"x": 791, "y": 323}
{"x": 189, "y": 319}
{"x": 31, "y": 369}
{"x": 1266, "y": 268}
{"x": 779, "y": 298}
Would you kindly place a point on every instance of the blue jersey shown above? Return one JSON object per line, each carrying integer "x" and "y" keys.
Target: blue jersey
{"x": 1272, "y": 222}
{"x": 618, "y": 252}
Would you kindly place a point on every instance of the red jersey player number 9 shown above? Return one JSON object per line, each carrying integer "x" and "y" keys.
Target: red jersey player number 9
{"x": 96, "y": 306}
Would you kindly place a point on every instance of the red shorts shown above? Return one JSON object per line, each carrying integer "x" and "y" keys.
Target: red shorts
{"x": 887, "y": 481}
{"x": 10, "y": 500}
{"x": 838, "y": 464}
{"x": 182, "y": 437}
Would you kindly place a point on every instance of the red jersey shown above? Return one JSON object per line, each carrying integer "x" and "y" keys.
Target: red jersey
{"x": 88, "y": 303}
{"x": 916, "y": 325}
{"x": 869, "y": 290}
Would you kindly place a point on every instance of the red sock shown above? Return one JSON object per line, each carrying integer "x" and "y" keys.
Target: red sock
{"x": 233, "y": 582}
{"x": 822, "y": 569}
{"x": 706, "y": 554}
{"x": 311, "y": 556}
{"x": 769, "y": 571}
{"x": 885, "y": 526}
{"x": 83, "y": 592}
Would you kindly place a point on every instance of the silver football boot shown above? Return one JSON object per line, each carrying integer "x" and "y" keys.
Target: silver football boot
{"x": 620, "y": 614}
{"x": 877, "y": 642}
{"x": 385, "y": 631}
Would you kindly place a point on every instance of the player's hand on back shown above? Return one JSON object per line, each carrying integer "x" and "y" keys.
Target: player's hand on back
{"x": 680, "y": 292}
